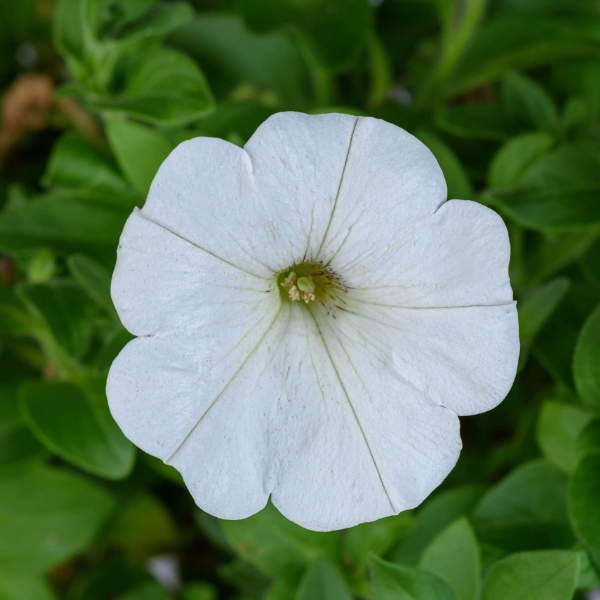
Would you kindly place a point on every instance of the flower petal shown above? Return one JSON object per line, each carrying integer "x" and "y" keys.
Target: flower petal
{"x": 463, "y": 358}
{"x": 457, "y": 257}
{"x": 325, "y": 477}
{"x": 263, "y": 208}
{"x": 202, "y": 318}
{"x": 163, "y": 283}
{"x": 391, "y": 180}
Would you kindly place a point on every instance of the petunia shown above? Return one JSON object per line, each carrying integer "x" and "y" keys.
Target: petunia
{"x": 312, "y": 318}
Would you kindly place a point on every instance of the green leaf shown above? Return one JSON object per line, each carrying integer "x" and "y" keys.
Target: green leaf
{"x": 323, "y": 582}
{"x": 528, "y": 103}
{"x": 584, "y": 507}
{"x": 557, "y": 192}
{"x": 73, "y": 421}
{"x": 67, "y": 28}
{"x": 139, "y": 149}
{"x": 539, "y": 305}
{"x": 198, "y": 591}
{"x": 232, "y": 56}
{"x": 351, "y": 20}
{"x": 94, "y": 278}
{"x": 589, "y": 438}
{"x": 454, "y": 556}
{"x": 518, "y": 41}
{"x": 18, "y": 446}
{"x": 558, "y": 428}
{"x": 277, "y": 546}
{"x": 21, "y": 584}
{"x": 527, "y": 510}
{"x": 230, "y": 118}
{"x": 554, "y": 345}
{"x": 376, "y": 537}
{"x": 14, "y": 316}
{"x": 456, "y": 177}
{"x": 547, "y": 575}
{"x": 475, "y": 121}
{"x": 77, "y": 164}
{"x": 392, "y": 582}
{"x": 515, "y": 157}
{"x": 437, "y": 513}
{"x": 65, "y": 311}
{"x": 142, "y": 524}
{"x": 48, "y": 515}
{"x": 65, "y": 224}
{"x": 586, "y": 366}
{"x": 151, "y": 590}
{"x": 163, "y": 87}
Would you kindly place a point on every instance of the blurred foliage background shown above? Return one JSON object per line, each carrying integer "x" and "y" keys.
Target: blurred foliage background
{"x": 96, "y": 93}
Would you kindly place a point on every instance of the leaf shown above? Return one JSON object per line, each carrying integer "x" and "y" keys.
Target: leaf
{"x": 437, "y": 513}
{"x": 515, "y": 157}
{"x": 527, "y": 510}
{"x": 65, "y": 311}
{"x": 230, "y": 118}
{"x": 456, "y": 177}
{"x": 14, "y": 316}
{"x": 376, "y": 537}
{"x": 518, "y": 41}
{"x": 198, "y": 591}
{"x": 139, "y": 149}
{"x": 164, "y": 87}
{"x": 554, "y": 345}
{"x": 454, "y": 556}
{"x": 475, "y": 121}
{"x": 94, "y": 279}
{"x": 65, "y": 224}
{"x": 231, "y": 56}
{"x": 584, "y": 491}
{"x": 589, "y": 438}
{"x": 557, "y": 192}
{"x": 18, "y": 446}
{"x": 351, "y": 20}
{"x": 142, "y": 524}
{"x": 323, "y": 582}
{"x": 277, "y": 546}
{"x": 77, "y": 164}
{"x": 586, "y": 365}
{"x": 547, "y": 575}
{"x": 392, "y": 582}
{"x": 21, "y": 584}
{"x": 73, "y": 421}
{"x": 558, "y": 428}
{"x": 151, "y": 590}
{"x": 528, "y": 103}
{"x": 539, "y": 305}
{"x": 48, "y": 515}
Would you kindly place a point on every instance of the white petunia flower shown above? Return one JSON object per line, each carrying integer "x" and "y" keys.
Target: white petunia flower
{"x": 312, "y": 316}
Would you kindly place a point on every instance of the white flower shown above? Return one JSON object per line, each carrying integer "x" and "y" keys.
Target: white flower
{"x": 342, "y": 408}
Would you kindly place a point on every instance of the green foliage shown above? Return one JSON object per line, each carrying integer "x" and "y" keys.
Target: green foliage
{"x": 549, "y": 575}
{"x": 392, "y": 582}
{"x": 506, "y": 95}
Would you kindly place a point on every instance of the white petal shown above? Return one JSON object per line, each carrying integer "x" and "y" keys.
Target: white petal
{"x": 204, "y": 318}
{"x": 298, "y": 163}
{"x": 165, "y": 283}
{"x": 351, "y": 446}
{"x": 391, "y": 180}
{"x": 463, "y": 358}
{"x": 457, "y": 257}
{"x": 263, "y": 208}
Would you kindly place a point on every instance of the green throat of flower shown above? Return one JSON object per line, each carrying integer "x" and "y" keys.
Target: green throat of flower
{"x": 309, "y": 282}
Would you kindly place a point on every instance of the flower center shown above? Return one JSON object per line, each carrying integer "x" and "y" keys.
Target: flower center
{"x": 307, "y": 282}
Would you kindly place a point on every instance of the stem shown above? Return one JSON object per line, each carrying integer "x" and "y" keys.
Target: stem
{"x": 454, "y": 43}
